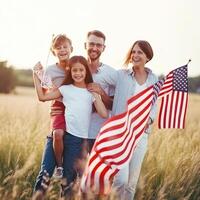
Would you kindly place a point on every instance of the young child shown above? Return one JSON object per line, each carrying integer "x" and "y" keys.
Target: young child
{"x": 51, "y": 79}
{"x": 78, "y": 102}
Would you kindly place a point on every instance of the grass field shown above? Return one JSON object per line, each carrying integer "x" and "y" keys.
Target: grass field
{"x": 171, "y": 170}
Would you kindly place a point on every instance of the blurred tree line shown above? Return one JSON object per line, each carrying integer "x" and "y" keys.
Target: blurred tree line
{"x": 10, "y": 78}
{"x": 7, "y": 78}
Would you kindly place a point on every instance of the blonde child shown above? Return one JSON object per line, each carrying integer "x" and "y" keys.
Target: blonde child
{"x": 51, "y": 79}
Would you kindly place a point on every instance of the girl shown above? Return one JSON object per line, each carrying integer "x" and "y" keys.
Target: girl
{"x": 61, "y": 48}
{"x": 78, "y": 102}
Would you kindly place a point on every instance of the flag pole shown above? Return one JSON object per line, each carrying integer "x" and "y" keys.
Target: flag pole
{"x": 47, "y": 59}
{"x": 188, "y": 61}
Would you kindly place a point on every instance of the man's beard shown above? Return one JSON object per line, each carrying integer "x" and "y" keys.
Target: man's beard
{"x": 94, "y": 58}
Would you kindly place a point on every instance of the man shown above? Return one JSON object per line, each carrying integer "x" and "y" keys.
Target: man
{"x": 103, "y": 79}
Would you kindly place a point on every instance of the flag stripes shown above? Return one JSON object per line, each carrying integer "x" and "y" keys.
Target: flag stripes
{"x": 115, "y": 144}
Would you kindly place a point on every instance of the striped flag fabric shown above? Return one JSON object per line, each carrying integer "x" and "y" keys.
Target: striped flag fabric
{"x": 115, "y": 143}
{"x": 117, "y": 139}
{"x": 174, "y": 100}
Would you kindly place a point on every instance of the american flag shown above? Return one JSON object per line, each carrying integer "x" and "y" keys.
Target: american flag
{"x": 174, "y": 100}
{"x": 45, "y": 79}
{"x": 118, "y": 138}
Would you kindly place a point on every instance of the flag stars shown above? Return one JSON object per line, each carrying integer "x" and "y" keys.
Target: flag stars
{"x": 180, "y": 81}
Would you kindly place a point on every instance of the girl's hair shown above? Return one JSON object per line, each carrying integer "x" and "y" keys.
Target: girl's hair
{"x": 58, "y": 40}
{"x": 146, "y": 48}
{"x": 77, "y": 59}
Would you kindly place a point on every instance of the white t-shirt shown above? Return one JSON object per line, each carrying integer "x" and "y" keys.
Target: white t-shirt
{"x": 78, "y": 108}
{"x": 105, "y": 77}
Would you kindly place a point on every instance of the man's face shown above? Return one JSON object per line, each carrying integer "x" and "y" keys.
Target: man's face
{"x": 94, "y": 47}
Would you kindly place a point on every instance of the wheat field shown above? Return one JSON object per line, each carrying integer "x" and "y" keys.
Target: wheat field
{"x": 171, "y": 169}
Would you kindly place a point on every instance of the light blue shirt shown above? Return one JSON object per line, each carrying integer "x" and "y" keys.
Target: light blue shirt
{"x": 125, "y": 87}
{"x": 105, "y": 76}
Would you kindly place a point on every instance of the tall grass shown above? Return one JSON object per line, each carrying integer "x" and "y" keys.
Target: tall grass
{"x": 171, "y": 169}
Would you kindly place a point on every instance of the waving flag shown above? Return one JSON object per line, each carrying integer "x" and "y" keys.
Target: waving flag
{"x": 174, "y": 100}
{"x": 119, "y": 136}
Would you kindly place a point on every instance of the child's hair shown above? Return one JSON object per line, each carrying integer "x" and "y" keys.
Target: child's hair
{"x": 58, "y": 40}
{"x": 77, "y": 59}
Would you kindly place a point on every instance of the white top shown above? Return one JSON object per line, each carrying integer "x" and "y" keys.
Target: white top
{"x": 139, "y": 88}
{"x": 78, "y": 108}
{"x": 104, "y": 77}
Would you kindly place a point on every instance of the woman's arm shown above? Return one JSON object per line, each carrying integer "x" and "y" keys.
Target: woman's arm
{"x": 42, "y": 95}
{"x": 99, "y": 105}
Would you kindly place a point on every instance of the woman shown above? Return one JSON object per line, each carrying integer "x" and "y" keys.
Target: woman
{"x": 129, "y": 82}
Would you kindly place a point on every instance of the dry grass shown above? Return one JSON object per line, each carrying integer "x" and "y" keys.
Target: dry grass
{"x": 171, "y": 170}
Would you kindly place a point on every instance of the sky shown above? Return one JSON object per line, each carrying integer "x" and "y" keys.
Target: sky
{"x": 171, "y": 27}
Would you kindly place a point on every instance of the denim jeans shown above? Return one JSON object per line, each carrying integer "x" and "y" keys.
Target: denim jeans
{"x": 125, "y": 182}
{"x": 72, "y": 151}
{"x": 90, "y": 144}
{"x": 48, "y": 164}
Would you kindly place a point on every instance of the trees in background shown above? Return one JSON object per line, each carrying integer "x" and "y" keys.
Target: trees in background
{"x": 7, "y": 78}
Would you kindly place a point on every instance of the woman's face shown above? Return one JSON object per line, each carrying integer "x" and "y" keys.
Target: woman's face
{"x": 138, "y": 58}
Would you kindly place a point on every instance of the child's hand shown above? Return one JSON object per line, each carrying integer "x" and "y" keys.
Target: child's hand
{"x": 38, "y": 67}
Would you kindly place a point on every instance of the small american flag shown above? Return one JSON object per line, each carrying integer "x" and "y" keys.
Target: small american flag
{"x": 118, "y": 138}
{"x": 45, "y": 79}
{"x": 174, "y": 99}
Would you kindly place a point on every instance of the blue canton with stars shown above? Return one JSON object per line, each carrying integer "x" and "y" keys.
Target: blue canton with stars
{"x": 180, "y": 79}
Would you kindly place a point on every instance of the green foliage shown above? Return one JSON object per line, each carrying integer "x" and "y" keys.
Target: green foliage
{"x": 24, "y": 77}
{"x": 194, "y": 84}
{"x": 7, "y": 78}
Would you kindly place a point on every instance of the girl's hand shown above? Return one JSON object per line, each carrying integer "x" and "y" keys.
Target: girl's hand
{"x": 96, "y": 95}
{"x": 99, "y": 105}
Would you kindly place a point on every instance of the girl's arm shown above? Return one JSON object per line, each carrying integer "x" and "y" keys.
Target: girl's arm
{"x": 99, "y": 105}
{"x": 42, "y": 95}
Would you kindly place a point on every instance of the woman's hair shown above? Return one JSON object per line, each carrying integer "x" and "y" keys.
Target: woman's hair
{"x": 146, "y": 48}
{"x": 58, "y": 40}
{"x": 77, "y": 59}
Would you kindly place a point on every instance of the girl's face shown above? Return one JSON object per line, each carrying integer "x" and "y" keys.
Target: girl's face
{"x": 78, "y": 73}
{"x": 62, "y": 51}
{"x": 138, "y": 57}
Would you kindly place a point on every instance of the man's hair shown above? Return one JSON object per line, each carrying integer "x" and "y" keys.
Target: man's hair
{"x": 96, "y": 33}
